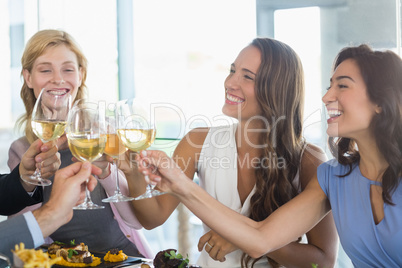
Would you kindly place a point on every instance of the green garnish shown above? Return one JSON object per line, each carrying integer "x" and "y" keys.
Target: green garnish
{"x": 184, "y": 263}
{"x": 72, "y": 242}
{"x": 173, "y": 255}
{"x": 72, "y": 252}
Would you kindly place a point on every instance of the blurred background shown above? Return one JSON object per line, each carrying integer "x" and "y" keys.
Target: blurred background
{"x": 176, "y": 54}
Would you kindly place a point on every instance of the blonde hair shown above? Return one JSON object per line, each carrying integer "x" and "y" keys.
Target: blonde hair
{"x": 34, "y": 48}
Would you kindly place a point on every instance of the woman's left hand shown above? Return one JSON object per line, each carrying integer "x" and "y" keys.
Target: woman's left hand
{"x": 216, "y": 246}
{"x": 62, "y": 142}
{"x": 104, "y": 164}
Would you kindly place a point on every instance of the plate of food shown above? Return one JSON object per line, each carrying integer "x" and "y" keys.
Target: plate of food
{"x": 74, "y": 254}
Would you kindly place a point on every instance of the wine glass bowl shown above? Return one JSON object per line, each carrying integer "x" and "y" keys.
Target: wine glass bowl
{"x": 114, "y": 146}
{"x": 137, "y": 134}
{"x": 85, "y": 146}
{"x": 48, "y": 122}
{"x": 87, "y": 137}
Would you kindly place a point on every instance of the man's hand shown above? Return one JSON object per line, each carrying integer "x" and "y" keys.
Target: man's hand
{"x": 103, "y": 163}
{"x": 68, "y": 190}
{"x": 42, "y": 155}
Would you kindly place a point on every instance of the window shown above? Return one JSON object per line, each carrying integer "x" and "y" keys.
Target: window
{"x": 317, "y": 30}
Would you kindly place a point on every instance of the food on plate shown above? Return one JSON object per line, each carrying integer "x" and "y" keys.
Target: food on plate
{"x": 28, "y": 258}
{"x": 170, "y": 258}
{"x": 75, "y": 255}
{"x": 115, "y": 255}
{"x": 144, "y": 265}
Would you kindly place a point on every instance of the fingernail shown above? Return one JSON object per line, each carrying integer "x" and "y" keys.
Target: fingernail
{"x": 147, "y": 179}
{"x": 144, "y": 153}
{"x": 86, "y": 165}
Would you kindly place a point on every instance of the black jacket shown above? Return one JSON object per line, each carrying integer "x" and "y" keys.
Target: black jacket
{"x": 13, "y": 197}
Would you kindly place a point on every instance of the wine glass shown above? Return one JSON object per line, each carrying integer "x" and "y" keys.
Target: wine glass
{"x": 137, "y": 131}
{"x": 114, "y": 148}
{"x": 86, "y": 136}
{"x": 49, "y": 117}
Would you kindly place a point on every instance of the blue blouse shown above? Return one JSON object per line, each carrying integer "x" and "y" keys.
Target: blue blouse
{"x": 367, "y": 244}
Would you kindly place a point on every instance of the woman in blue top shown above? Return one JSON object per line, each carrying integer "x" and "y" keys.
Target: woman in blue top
{"x": 362, "y": 186}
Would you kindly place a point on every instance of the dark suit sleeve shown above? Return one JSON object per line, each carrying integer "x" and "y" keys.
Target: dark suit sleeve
{"x": 14, "y": 231}
{"x": 13, "y": 197}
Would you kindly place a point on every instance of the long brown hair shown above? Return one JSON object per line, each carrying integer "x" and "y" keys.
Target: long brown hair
{"x": 34, "y": 48}
{"x": 382, "y": 75}
{"x": 280, "y": 93}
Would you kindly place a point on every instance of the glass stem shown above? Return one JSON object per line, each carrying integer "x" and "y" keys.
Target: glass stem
{"x": 115, "y": 162}
{"x": 150, "y": 187}
{"x": 87, "y": 194}
{"x": 37, "y": 173}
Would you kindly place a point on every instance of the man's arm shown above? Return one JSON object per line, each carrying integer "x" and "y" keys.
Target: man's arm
{"x": 68, "y": 190}
{"x": 12, "y": 232}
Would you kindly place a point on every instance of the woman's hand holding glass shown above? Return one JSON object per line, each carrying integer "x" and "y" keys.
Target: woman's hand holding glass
{"x": 47, "y": 154}
{"x": 162, "y": 171}
{"x": 86, "y": 133}
{"x": 48, "y": 122}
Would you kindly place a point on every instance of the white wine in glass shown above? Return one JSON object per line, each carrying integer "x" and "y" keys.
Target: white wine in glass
{"x": 137, "y": 131}
{"x": 48, "y": 130}
{"x": 87, "y": 137}
{"x": 137, "y": 139}
{"x": 48, "y": 122}
{"x": 85, "y": 146}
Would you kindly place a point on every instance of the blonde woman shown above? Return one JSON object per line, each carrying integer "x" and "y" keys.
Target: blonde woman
{"x": 53, "y": 59}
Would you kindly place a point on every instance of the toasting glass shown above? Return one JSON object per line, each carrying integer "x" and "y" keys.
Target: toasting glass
{"x": 86, "y": 134}
{"x": 48, "y": 122}
{"x": 137, "y": 131}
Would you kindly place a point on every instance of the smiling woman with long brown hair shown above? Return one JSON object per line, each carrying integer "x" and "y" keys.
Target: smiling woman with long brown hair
{"x": 254, "y": 166}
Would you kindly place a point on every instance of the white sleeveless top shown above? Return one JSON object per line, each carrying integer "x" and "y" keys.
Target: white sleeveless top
{"x": 217, "y": 172}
